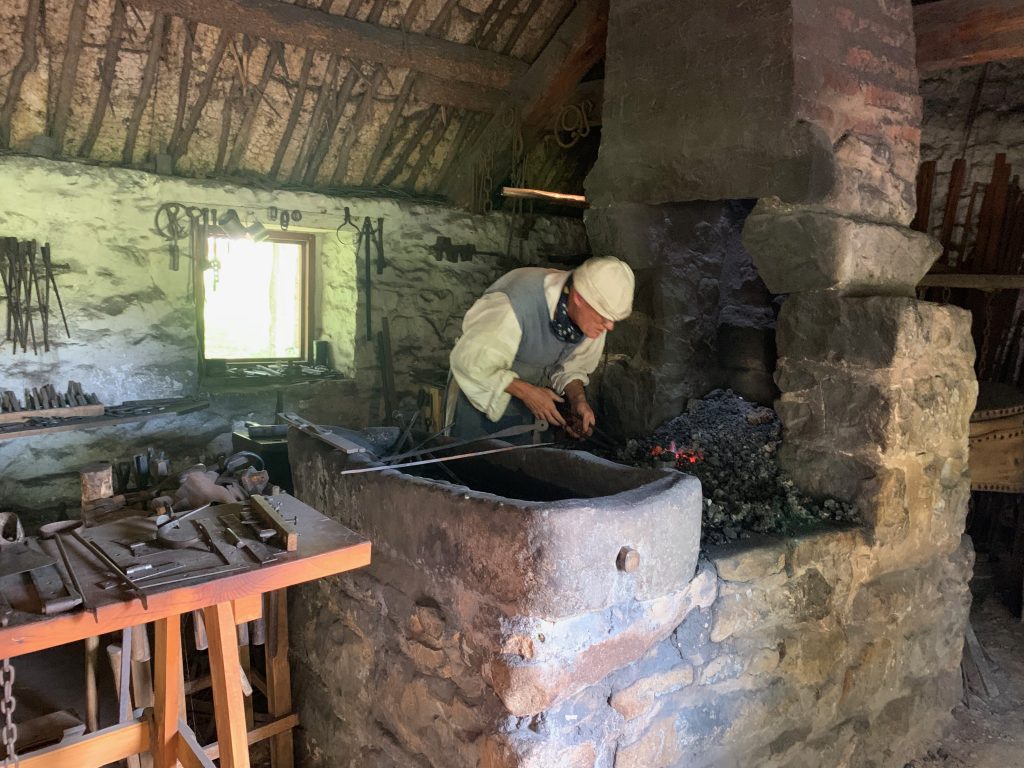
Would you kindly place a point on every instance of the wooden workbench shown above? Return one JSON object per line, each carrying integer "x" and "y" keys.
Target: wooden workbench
{"x": 325, "y": 548}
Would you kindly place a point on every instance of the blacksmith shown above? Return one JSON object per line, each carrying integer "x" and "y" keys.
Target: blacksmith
{"x": 531, "y": 342}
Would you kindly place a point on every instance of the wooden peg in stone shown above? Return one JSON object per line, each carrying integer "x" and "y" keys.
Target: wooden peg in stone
{"x": 628, "y": 560}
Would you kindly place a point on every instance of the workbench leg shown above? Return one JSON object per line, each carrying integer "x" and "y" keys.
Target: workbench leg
{"x": 226, "y": 678}
{"x": 166, "y": 692}
{"x": 92, "y": 706}
{"x": 245, "y": 660}
{"x": 279, "y": 677}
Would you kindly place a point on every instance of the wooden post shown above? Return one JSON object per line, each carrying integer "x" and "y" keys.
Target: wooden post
{"x": 92, "y": 654}
{"x": 168, "y": 689}
{"x": 279, "y": 678}
{"x": 226, "y": 677}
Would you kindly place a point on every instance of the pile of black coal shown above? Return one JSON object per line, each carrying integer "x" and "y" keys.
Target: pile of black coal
{"x": 730, "y": 445}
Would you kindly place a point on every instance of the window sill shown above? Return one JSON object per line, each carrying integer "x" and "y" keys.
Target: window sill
{"x": 250, "y": 383}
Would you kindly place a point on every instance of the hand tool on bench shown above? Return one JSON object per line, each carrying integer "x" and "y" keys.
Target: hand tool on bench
{"x": 54, "y": 531}
{"x": 211, "y": 542}
{"x": 108, "y": 562}
{"x": 241, "y": 542}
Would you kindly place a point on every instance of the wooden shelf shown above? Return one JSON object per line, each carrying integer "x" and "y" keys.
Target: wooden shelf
{"x": 117, "y": 414}
{"x": 978, "y": 282}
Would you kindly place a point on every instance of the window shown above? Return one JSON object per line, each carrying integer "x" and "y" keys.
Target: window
{"x": 254, "y": 300}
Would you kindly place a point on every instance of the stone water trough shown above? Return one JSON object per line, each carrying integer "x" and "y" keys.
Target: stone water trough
{"x": 550, "y": 610}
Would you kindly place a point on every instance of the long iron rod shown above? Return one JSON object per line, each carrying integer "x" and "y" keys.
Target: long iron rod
{"x": 444, "y": 458}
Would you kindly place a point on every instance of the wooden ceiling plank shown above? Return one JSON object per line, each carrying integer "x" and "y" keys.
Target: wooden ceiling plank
{"x": 68, "y": 72}
{"x": 330, "y": 122}
{"x": 227, "y": 113}
{"x": 499, "y": 20}
{"x": 184, "y": 78}
{"x": 293, "y": 115}
{"x": 467, "y": 133}
{"x": 25, "y": 64}
{"x": 490, "y": 14}
{"x": 145, "y": 88}
{"x": 353, "y": 39}
{"x": 418, "y": 133}
{"x": 554, "y": 75}
{"x": 355, "y": 127}
{"x": 520, "y": 26}
{"x": 384, "y": 142}
{"x": 327, "y": 86}
{"x": 960, "y": 33}
{"x": 328, "y": 127}
{"x": 275, "y": 54}
{"x": 440, "y": 128}
{"x": 180, "y": 149}
{"x": 107, "y": 69}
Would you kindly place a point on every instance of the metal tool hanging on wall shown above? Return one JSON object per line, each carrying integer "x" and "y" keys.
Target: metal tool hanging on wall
{"x": 370, "y": 241}
{"x": 28, "y": 274}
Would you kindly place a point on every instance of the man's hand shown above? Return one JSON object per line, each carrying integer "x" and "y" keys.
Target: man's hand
{"x": 581, "y": 409}
{"x": 542, "y": 402}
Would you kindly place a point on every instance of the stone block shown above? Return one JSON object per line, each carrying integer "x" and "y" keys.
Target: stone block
{"x": 799, "y": 249}
{"x": 560, "y": 668}
{"x": 744, "y": 561}
{"x": 657, "y": 748}
{"x": 875, "y": 332}
{"x": 639, "y": 698}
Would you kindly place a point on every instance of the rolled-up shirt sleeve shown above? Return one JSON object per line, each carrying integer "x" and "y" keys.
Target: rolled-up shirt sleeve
{"x": 579, "y": 364}
{"x": 481, "y": 361}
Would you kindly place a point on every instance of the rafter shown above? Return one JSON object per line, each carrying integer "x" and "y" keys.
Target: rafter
{"x": 959, "y": 33}
{"x": 312, "y": 29}
{"x": 148, "y": 78}
{"x": 107, "y": 69}
{"x": 25, "y": 64}
{"x": 577, "y": 45}
{"x": 68, "y": 73}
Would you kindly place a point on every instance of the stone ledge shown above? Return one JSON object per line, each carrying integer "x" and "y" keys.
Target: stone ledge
{"x": 803, "y": 248}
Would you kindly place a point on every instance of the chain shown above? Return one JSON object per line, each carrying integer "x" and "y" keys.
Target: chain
{"x": 9, "y": 731}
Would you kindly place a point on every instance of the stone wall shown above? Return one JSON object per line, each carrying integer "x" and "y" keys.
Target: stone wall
{"x": 133, "y": 322}
{"x": 487, "y": 633}
{"x": 997, "y": 128}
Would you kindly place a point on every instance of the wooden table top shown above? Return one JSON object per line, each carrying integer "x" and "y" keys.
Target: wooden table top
{"x": 325, "y": 548}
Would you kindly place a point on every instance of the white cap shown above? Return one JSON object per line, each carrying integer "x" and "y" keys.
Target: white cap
{"x": 606, "y": 283}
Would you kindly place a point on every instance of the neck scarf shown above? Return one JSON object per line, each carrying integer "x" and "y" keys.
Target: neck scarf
{"x": 561, "y": 324}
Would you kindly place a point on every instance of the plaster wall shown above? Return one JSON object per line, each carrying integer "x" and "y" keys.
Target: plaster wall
{"x": 133, "y": 320}
{"x": 997, "y": 128}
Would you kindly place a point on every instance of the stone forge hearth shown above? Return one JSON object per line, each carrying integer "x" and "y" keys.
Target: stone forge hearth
{"x": 480, "y": 610}
{"x": 505, "y": 633}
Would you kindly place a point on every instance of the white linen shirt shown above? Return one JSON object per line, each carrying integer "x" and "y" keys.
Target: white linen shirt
{"x": 481, "y": 361}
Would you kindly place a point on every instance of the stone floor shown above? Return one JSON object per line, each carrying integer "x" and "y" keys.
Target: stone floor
{"x": 989, "y": 734}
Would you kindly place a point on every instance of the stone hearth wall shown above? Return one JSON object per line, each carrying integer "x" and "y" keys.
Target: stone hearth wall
{"x": 479, "y": 637}
{"x": 133, "y": 323}
{"x": 702, "y": 316}
{"x": 812, "y": 107}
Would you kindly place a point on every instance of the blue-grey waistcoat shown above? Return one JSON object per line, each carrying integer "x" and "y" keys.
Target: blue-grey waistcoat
{"x": 539, "y": 349}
